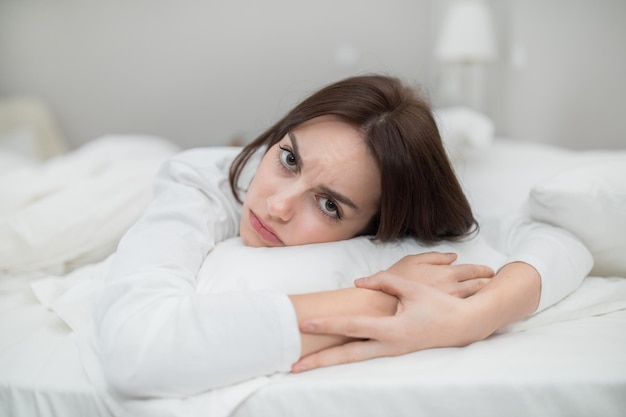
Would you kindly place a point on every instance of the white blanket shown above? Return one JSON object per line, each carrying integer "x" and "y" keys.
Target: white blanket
{"x": 83, "y": 202}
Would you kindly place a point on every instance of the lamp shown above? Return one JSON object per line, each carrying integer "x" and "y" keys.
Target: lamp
{"x": 466, "y": 42}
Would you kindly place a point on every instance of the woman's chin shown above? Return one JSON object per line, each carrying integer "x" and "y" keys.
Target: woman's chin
{"x": 246, "y": 240}
{"x": 249, "y": 238}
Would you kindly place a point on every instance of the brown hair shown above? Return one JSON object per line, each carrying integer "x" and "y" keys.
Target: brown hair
{"x": 420, "y": 194}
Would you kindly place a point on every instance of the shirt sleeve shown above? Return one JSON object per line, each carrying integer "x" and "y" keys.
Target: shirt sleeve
{"x": 157, "y": 336}
{"x": 559, "y": 256}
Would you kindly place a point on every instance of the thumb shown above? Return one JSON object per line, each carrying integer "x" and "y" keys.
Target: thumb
{"x": 435, "y": 258}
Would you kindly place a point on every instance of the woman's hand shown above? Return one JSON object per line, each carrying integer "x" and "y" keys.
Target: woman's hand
{"x": 436, "y": 270}
{"x": 425, "y": 317}
{"x": 346, "y": 302}
{"x": 432, "y": 268}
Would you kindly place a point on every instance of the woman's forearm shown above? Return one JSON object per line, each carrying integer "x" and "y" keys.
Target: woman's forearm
{"x": 512, "y": 294}
{"x": 338, "y": 303}
{"x": 427, "y": 317}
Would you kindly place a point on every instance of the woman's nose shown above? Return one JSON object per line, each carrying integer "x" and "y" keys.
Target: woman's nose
{"x": 280, "y": 205}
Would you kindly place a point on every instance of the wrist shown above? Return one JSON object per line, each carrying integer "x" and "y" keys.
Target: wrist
{"x": 512, "y": 294}
{"x": 378, "y": 303}
{"x": 338, "y": 303}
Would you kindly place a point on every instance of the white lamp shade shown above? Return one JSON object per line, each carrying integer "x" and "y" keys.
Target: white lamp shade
{"x": 467, "y": 33}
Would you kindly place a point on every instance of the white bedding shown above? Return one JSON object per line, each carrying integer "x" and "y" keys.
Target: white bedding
{"x": 565, "y": 361}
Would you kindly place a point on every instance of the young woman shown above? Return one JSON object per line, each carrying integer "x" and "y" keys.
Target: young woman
{"x": 360, "y": 157}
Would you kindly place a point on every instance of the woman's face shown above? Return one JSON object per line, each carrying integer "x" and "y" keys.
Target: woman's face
{"x": 317, "y": 184}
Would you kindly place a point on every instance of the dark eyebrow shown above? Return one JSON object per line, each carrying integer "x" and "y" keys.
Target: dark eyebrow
{"x": 294, "y": 145}
{"x": 338, "y": 197}
{"x": 332, "y": 194}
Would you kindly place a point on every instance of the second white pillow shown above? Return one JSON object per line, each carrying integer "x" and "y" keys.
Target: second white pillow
{"x": 589, "y": 201}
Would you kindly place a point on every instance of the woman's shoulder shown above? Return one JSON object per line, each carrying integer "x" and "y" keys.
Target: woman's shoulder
{"x": 205, "y": 155}
{"x": 197, "y": 166}
{"x": 207, "y": 160}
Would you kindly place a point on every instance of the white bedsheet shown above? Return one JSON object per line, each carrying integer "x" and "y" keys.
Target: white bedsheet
{"x": 570, "y": 368}
{"x": 40, "y": 370}
{"x": 566, "y": 361}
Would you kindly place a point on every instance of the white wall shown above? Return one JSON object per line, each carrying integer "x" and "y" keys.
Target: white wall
{"x": 198, "y": 72}
{"x": 202, "y": 71}
{"x": 561, "y": 78}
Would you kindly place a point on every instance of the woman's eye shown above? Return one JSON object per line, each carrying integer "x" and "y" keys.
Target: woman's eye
{"x": 329, "y": 207}
{"x": 288, "y": 159}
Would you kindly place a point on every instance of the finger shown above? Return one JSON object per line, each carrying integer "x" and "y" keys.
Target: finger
{"x": 388, "y": 283}
{"x": 471, "y": 286}
{"x": 434, "y": 258}
{"x": 356, "y": 327}
{"x": 350, "y": 352}
{"x": 472, "y": 271}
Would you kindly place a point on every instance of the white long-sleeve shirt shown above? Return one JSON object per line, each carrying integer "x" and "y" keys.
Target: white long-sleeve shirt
{"x": 158, "y": 336}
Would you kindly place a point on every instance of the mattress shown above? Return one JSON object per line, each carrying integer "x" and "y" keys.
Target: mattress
{"x": 573, "y": 367}
{"x": 568, "y": 360}
{"x": 40, "y": 370}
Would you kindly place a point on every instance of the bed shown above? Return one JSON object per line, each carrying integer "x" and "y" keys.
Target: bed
{"x": 58, "y": 234}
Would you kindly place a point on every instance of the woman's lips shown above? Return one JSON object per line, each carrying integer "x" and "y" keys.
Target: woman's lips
{"x": 264, "y": 231}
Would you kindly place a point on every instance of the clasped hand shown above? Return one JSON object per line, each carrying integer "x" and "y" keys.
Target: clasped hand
{"x": 433, "y": 310}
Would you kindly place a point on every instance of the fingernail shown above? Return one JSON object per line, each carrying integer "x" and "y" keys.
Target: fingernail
{"x": 308, "y": 327}
{"x": 299, "y": 367}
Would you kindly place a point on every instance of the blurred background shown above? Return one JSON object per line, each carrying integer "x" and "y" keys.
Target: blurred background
{"x": 214, "y": 72}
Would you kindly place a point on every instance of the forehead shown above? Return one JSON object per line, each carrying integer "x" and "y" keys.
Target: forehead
{"x": 331, "y": 133}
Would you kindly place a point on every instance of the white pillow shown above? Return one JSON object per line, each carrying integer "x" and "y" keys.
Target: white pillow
{"x": 318, "y": 267}
{"x": 232, "y": 266}
{"x": 463, "y": 128}
{"x": 589, "y": 201}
